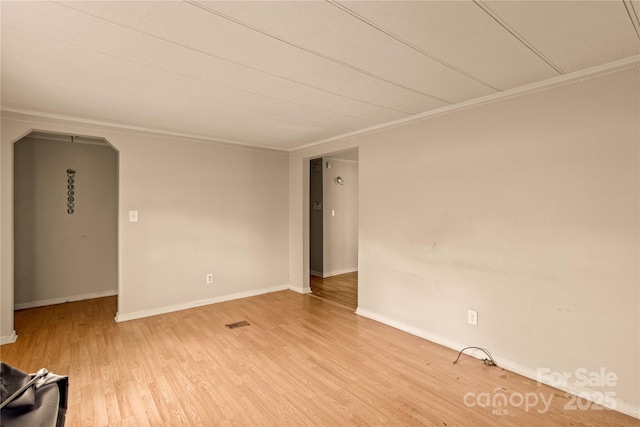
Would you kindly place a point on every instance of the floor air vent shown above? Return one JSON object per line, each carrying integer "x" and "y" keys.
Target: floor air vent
{"x": 237, "y": 324}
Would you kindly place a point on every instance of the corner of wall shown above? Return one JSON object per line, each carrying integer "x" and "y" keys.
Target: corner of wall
{"x": 300, "y": 290}
{"x": 8, "y": 339}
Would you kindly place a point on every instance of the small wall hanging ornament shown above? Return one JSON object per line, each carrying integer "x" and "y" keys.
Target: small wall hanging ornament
{"x": 71, "y": 192}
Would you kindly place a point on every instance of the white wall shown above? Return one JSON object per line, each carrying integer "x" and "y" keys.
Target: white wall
{"x": 340, "y": 217}
{"x": 204, "y": 208}
{"x": 7, "y": 333}
{"x": 525, "y": 209}
{"x": 59, "y": 256}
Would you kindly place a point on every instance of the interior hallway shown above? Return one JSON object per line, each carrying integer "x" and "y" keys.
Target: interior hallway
{"x": 341, "y": 289}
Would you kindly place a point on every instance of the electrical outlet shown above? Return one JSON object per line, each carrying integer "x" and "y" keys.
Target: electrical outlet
{"x": 472, "y": 317}
{"x": 210, "y": 278}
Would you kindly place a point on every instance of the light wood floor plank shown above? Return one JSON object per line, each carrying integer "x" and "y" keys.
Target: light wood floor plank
{"x": 341, "y": 289}
{"x": 302, "y": 361}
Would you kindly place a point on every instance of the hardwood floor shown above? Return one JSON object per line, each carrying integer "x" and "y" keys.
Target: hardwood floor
{"x": 301, "y": 361}
{"x": 341, "y": 289}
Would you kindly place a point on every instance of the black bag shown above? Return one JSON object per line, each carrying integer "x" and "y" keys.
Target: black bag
{"x": 42, "y": 403}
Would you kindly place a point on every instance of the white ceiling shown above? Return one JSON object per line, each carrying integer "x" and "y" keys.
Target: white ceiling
{"x": 290, "y": 73}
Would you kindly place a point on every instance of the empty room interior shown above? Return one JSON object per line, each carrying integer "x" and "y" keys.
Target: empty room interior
{"x": 322, "y": 212}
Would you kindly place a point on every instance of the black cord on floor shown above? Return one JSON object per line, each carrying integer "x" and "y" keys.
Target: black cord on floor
{"x": 488, "y": 362}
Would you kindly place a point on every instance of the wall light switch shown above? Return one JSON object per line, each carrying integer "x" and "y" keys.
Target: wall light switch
{"x": 133, "y": 216}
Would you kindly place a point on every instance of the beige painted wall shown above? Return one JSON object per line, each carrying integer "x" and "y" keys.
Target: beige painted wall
{"x": 525, "y": 209}
{"x": 60, "y": 256}
{"x": 204, "y": 207}
{"x": 340, "y": 231}
{"x": 7, "y": 333}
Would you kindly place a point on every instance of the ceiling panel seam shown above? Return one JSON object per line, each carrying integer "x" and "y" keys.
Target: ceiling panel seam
{"x": 633, "y": 16}
{"x": 257, "y": 70}
{"x": 409, "y": 44}
{"x": 240, "y": 107}
{"x": 515, "y": 34}
{"x": 244, "y": 66}
{"x": 316, "y": 53}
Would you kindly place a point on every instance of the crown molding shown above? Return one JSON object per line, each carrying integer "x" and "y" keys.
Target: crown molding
{"x": 571, "y": 78}
{"x": 567, "y": 79}
{"x": 116, "y": 127}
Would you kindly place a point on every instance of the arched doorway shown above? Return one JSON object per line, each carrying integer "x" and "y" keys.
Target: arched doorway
{"x": 65, "y": 219}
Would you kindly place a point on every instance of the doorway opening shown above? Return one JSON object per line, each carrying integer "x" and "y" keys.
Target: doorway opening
{"x": 65, "y": 219}
{"x": 333, "y": 227}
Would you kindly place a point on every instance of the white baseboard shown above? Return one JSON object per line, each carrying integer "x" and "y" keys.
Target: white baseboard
{"x": 8, "y": 339}
{"x": 338, "y": 272}
{"x": 61, "y": 300}
{"x": 627, "y": 408}
{"x": 123, "y": 317}
{"x": 306, "y": 290}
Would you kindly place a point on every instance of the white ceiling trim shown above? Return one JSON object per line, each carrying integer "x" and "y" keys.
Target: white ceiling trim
{"x": 118, "y": 128}
{"x": 563, "y": 80}
{"x": 337, "y": 159}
